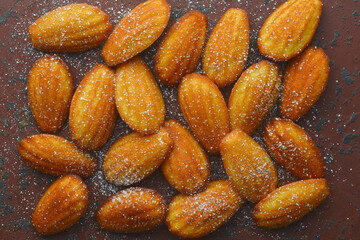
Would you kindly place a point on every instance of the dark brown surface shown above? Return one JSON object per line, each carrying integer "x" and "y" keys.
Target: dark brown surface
{"x": 334, "y": 123}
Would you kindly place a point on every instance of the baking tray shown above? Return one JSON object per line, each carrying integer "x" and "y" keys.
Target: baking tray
{"x": 333, "y": 123}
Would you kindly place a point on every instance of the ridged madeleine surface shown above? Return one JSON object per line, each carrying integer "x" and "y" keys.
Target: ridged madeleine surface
{"x": 305, "y": 80}
{"x": 50, "y": 89}
{"x": 180, "y": 51}
{"x": 93, "y": 111}
{"x": 254, "y": 96}
{"x": 56, "y": 156}
{"x": 248, "y": 166}
{"x": 227, "y": 48}
{"x": 139, "y": 99}
{"x": 293, "y": 149}
{"x": 132, "y": 210}
{"x": 187, "y": 168}
{"x": 136, "y": 31}
{"x": 61, "y": 206}
{"x": 204, "y": 109}
{"x": 134, "y": 157}
{"x": 289, "y": 29}
{"x": 198, "y": 215}
{"x": 290, "y": 203}
{"x": 71, "y": 28}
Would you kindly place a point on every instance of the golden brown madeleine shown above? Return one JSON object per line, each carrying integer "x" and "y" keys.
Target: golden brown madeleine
{"x": 136, "y": 31}
{"x": 293, "y": 149}
{"x": 254, "y": 96}
{"x": 198, "y": 215}
{"x": 180, "y": 51}
{"x": 50, "y": 89}
{"x": 56, "y": 156}
{"x": 227, "y": 48}
{"x": 61, "y": 206}
{"x": 204, "y": 109}
{"x": 289, "y": 29}
{"x": 305, "y": 80}
{"x": 290, "y": 203}
{"x": 134, "y": 157}
{"x": 187, "y": 168}
{"x": 139, "y": 99}
{"x": 132, "y": 210}
{"x": 71, "y": 28}
{"x": 248, "y": 166}
{"x": 93, "y": 111}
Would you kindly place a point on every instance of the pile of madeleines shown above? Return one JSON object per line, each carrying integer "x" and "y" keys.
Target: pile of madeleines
{"x": 132, "y": 91}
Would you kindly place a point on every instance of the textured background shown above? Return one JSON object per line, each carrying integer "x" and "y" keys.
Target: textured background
{"x": 334, "y": 123}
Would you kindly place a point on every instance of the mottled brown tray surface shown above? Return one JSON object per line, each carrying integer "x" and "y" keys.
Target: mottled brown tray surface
{"x": 334, "y": 123}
